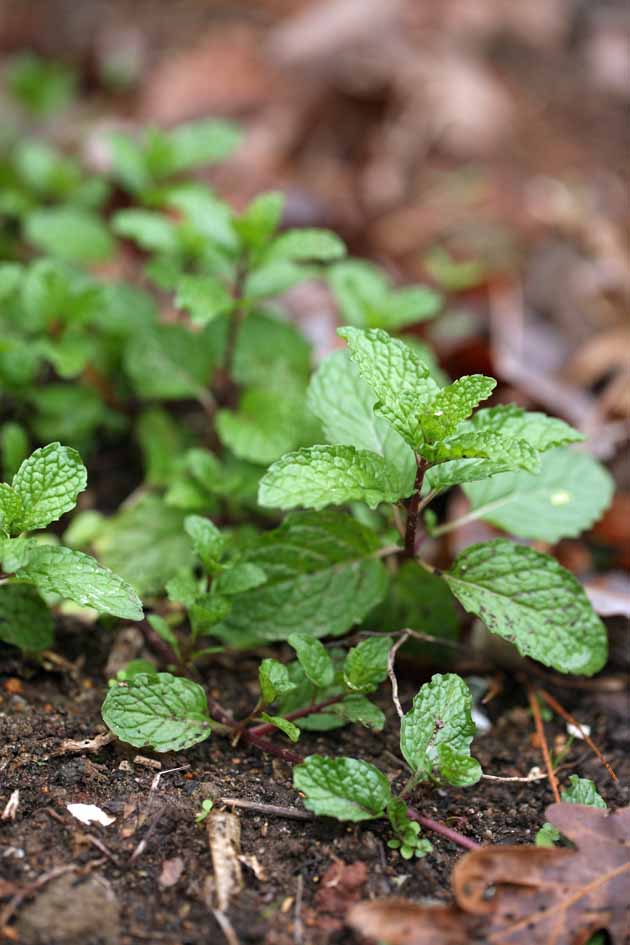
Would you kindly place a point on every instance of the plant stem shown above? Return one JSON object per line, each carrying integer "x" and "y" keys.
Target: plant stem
{"x": 571, "y": 720}
{"x": 413, "y": 508}
{"x": 434, "y": 825}
{"x": 544, "y": 747}
{"x": 267, "y": 727}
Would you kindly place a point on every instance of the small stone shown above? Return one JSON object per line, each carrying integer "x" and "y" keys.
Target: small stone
{"x": 71, "y": 911}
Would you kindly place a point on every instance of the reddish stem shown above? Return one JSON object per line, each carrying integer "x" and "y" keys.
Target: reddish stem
{"x": 453, "y": 835}
{"x": 412, "y": 511}
{"x": 267, "y": 727}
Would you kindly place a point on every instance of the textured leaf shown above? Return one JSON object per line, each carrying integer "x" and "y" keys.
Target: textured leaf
{"x": 240, "y": 577}
{"x": 273, "y": 678}
{"x": 358, "y": 709}
{"x": 207, "y": 540}
{"x": 529, "y": 599}
{"x": 80, "y": 578}
{"x": 515, "y": 454}
{"x": 419, "y": 600}
{"x": 583, "y": 791}
{"x": 344, "y": 403}
{"x": 48, "y": 483}
{"x": 10, "y": 507}
{"x": 438, "y": 729}
{"x": 537, "y": 429}
{"x": 289, "y": 729}
{"x": 169, "y": 363}
{"x": 453, "y": 404}
{"x": 321, "y": 580}
{"x": 314, "y": 659}
{"x": 344, "y": 788}
{"x": 366, "y": 664}
{"x": 399, "y": 380}
{"x": 25, "y": 619}
{"x": 305, "y": 244}
{"x": 329, "y": 475}
{"x": 204, "y": 297}
{"x": 164, "y": 712}
{"x": 567, "y": 495}
{"x": 265, "y": 426}
{"x": 146, "y": 544}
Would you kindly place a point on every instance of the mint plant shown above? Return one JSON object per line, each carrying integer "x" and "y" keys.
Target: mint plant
{"x": 45, "y": 487}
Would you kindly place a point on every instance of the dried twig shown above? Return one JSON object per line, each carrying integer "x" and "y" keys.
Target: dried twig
{"x": 226, "y": 927}
{"x": 11, "y": 807}
{"x": 391, "y": 672}
{"x": 85, "y": 744}
{"x": 273, "y": 810}
{"x": 540, "y": 731}
{"x": 298, "y": 927}
{"x": 571, "y": 720}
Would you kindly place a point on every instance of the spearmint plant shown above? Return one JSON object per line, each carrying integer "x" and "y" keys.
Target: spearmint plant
{"x": 45, "y": 487}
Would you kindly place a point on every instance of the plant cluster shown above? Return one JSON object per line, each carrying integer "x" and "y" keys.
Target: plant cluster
{"x": 233, "y": 427}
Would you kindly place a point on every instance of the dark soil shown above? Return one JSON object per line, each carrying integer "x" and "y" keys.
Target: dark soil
{"x": 112, "y": 894}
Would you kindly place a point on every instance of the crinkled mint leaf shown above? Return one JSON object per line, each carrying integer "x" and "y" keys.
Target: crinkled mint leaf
{"x": 265, "y": 426}
{"x": 25, "y": 619}
{"x": 517, "y": 454}
{"x": 453, "y": 404}
{"x": 241, "y": 577}
{"x": 344, "y": 788}
{"x": 322, "y": 579}
{"x": 580, "y": 791}
{"x": 567, "y": 495}
{"x": 358, "y": 709}
{"x": 400, "y": 382}
{"x": 48, "y": 483}
{"x": 15, "y": 553}
{"x": 304, "y": 244}
{"x": 314, "y": 659}
{"x": 289, "y": 729}
{"x": 537, "y": 429}
{"x": 406, "y": 831}
{"x": 10, "y": 507}
{"x": 329, "y": 475}
{"x": 529, "y": 599}
{"x": 345, "y": 403}
{"x": 366, "y": 664}
{"x": 161, "y": 711}
{"x": 54, "y": 569}
{"x": 438, "y": 729}
{"x": 273, "y": 677}
{"x": 207, "y": 540}
{"x": 547, "y": 836}
{"x": 204, "y": 297}
{"x": 207, "y": 611}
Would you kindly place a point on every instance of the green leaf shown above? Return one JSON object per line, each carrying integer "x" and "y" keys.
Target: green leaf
{"x": 529, "y": 599}
{"x": 150, "y": 230}
{"x": 197, "y": 143}
{"x": 169, "y": 363}
{"x": 329, "y": 475}
{"x": 453, "y": 404}
{"x": 240, "y": 577}
{"x": 399, "y": 380}
{"x": 438, "y": 729}
{"x": 10, "y": 508}
{"x": 567, "y": 495}
{"x": 289, "y": 729}
{"x": 344, "y": 788}
{"x": 583, "y": 791}
{"x": 274, "y": 681}
{"x": 266, "y": 426}
{"x": 10, "y": 279}
{"x": 305, "y": 244}
{"x": 366, "y": 664}
{"x": 40, "y": 85}
{"x": 69, "y": 233}
{"x": 406, "y": 831}
{"x": 321, "y": 580}
{"x": 207, "y": 541}
{"x": 419, "y": 600}
{"x": 48, "y": 483}
{"x": 268, "y": 348}
{"x": 210, "y": 217}
{"x": 258, "y": 222}
{"x": 537, "y": 429}
{"x": 146, "y": 544}
{"x": 367, "y": 301}
{"x": 25, "y": 619}
{"x": 513, "y": 454}
{"x": 345, "y": 404}
{"x": 547, "y": 836}
{"x": 357, "y": 709}
{"x": 314, "y": 659}
{"x": 162, "y": 443}
{"x": 207, "y": 611}
{"x": 164, "y": 631}
{"x": 161, "y": 711}
{"x": 183, "y": 588}
{"x": 204, "y": 297}
{"x": 80, "y": 578}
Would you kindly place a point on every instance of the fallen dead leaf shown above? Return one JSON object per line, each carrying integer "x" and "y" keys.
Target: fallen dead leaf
{"x": 224, "y": 839}
{"x": 524, "y": 895}
{"x": 340, "y": 887}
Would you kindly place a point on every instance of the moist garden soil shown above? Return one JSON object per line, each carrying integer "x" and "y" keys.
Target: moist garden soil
{"x": 116, "y": 890}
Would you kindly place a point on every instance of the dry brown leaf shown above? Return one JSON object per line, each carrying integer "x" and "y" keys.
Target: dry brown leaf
{"x": 224, "y": 840}
{"x": 524, "y": 895}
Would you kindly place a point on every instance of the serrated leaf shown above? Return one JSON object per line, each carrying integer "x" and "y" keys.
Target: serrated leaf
{"x": 358, "y": 709}
{"x": 453, "y": 404}
{"x": 69, "y": 233}
{"x": 366, "y": 664}
{"x": 314, "y": 659}
{"x": 10, "y": 507}
{"x": 169, "y": 363}
{"x": 516, "y": 454}
{"x": 273, "y": 678}
{"x": 345, "y": 403}
{"x": 567, "y": 495}
{"x": 537, "y": 429}
{"x": 419, "y": 600}
{"x": 25, "y": 619}
{"x": 207, "y": 611}
{"x": 305, "y": 244}
{"x": 529, "y": 599}
{"x": 289, "y": 729}
{"x": 47, "y": 484}
{"x": 583, "y": 791}
{"x": 265, "y": 427}
{"x": 321, "y": 580}
{"x": 204, "y": 297}
{"x": 344, "y": 788}
{"x": 400, "y": 382}
{"x": 164, "y": 712}
{"x": 146, "y": 544}
{"x": 438, "y": 729}
{"x": 329, "y": 475}
{"x": 207, "y": 540}
{"x": 241, "y": 577}
{"x": 80, "y": 578}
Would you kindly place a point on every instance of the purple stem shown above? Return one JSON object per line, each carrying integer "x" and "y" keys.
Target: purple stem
{"x": 443, "y": 830}
{"x": 298, "y": 714}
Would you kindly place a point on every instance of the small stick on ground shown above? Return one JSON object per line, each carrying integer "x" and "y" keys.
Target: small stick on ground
{"x": 453, "y": 835}
{"x": 226, "y": 927}
{"x": 272, "y": 810}
{"x": 23, "y": 894}
{"x": 391, "y": 672}
{"x": 298, "y": 928}
{"x": 571, "y": 720}
{"x": 540, "y": 731}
